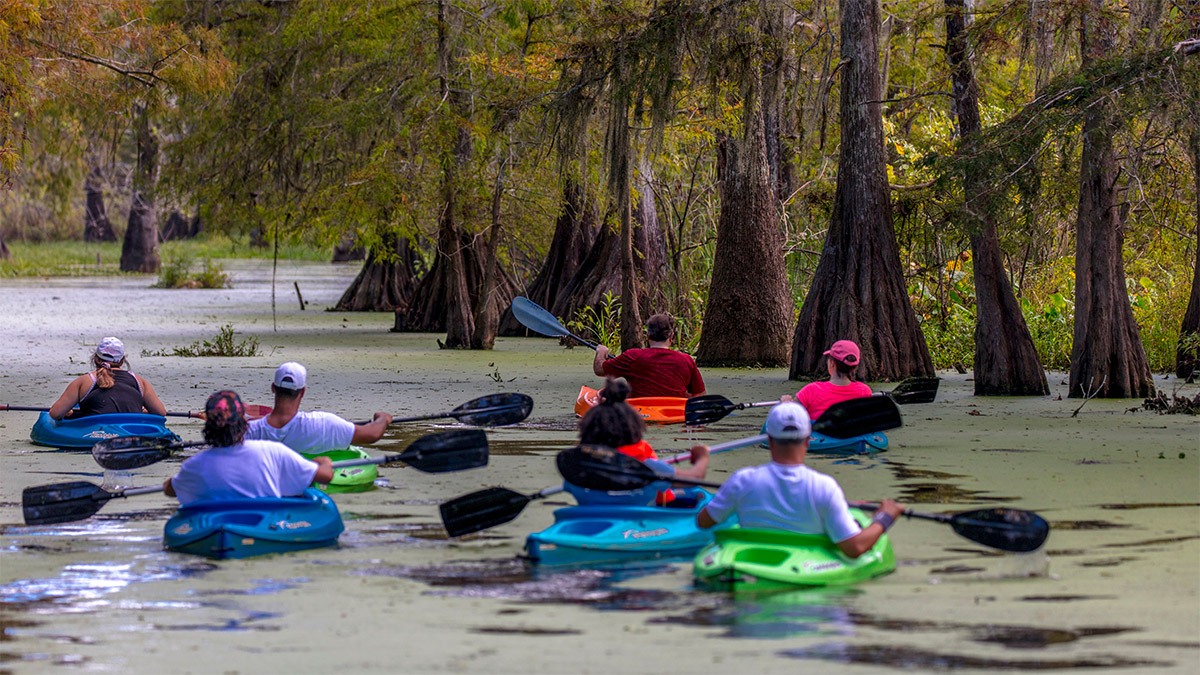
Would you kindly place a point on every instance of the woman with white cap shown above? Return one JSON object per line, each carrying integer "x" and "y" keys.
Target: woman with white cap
{"x": 108, "y": 388}
{"x": 842, "y": 360}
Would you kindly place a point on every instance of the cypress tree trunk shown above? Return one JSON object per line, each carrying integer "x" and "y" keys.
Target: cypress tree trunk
{"x": 1107, "y": 358}
{"x": 858, "y": 290}
{"x": 1189, "y": 331}
{"x": 459, "y": 318}
{"x": 574, "y": 233}
{"x": 1006, "y": 362}
{"x": 96, "y": 225}
{"x": 5, "y": 254}
{"x": 385, "y": 282}
{"x": 748, "y": 313}
{"x": 139, "y": 251}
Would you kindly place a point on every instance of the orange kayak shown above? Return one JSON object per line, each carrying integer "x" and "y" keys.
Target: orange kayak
{"x": 656, "y": 409}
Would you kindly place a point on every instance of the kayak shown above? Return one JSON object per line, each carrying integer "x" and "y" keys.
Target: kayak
{"x": 84, "y": 432}
{"x": 866, "y": 444}
{"x": 240, "y": 528}
{"x": 350, "y": 478}
{"x": 596, "y": 534}
{"x": 747, "y": 559}
{"x": 656, "y": 409}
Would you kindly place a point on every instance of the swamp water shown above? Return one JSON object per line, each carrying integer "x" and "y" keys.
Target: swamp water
{"x": 1116, "y": 589}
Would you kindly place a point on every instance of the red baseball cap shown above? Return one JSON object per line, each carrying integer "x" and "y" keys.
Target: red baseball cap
{"x": 844, "y": 351}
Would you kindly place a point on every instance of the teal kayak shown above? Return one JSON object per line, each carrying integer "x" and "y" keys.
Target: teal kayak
{"x": 240, "y": 528}
{"x": 744, "y": 559}
{"x": 81, "y": 433}
{"x": 351, "y": 478}
{"x": 820, "y": 444}
{"x": 614, "y": 533}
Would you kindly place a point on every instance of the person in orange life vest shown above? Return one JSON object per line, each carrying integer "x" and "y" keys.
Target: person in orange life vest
{"x": 843, "y": 359}
{"x": 108, "y": 388}
{"x": 656, "y": 370}
{"x": 615, "y": 424}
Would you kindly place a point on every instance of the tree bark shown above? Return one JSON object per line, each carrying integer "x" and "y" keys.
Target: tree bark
{"x": 347, "y": 249}
{"x": 858, "y": 290}
{"x": 5, "y": 254}
{"x": 96, "y": 225}
{"x": 179, "y": 226}
{"x": 385, "y": 282}
{"x": 1189, "y": 330}
{"x": 574, "y": 233}
{"x": 486, "y": 310}
{"x": 459, "y": 318}
{"x": 748, "y": 314}
{"x": 1107, "y": 358}
{"x": 621, "y": 147}
{"x": 1006, "y": 361}
{"x": 139, "y": 252}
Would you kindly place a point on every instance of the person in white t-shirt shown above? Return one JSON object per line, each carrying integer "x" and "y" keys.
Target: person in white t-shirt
{"x": 310, "y": 432}
{"x": 234, "y": 467}
{"x": 787, "y": 495}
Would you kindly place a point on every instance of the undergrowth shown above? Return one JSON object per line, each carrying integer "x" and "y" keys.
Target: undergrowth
{"x": 223, "y": 344}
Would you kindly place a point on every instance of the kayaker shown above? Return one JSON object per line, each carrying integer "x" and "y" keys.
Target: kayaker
{"x": 310, "y": 432}
{"x": 615, "y": 424}
{"x": 657, "y": 370}
{"x": 843, "y": 359}
{"x": 787, "y": 495}
{"x": 108, "y": 388}
{"x": 236, "y": 467}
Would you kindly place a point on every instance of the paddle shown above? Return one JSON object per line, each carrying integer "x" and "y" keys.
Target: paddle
{"x": 537, "y": 319}
{"x": 846, "y": 419}
{"x": 1006, "y": 529}
{"x": 1001, "y": 528}
{"x": 498, "y": 505}
{"x": 456, "y": 449}
{"x": 915, "y": 390}
{"x": 435, "y": 453}
{"x": 253, "y": 412}
{"x": 493, "y": 410}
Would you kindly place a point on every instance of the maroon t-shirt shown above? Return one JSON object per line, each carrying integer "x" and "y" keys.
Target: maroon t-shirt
{"x": 656, "y": 371}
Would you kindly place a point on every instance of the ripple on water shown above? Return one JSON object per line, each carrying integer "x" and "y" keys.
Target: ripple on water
{"x": 917, "y": 659}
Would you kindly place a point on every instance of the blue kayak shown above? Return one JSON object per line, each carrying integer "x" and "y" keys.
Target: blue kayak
{"x": 240, "y": 528}
{"x": 84, "y": 432}
{"x": 595, "y": 534}
{"x": 820, "y": 444}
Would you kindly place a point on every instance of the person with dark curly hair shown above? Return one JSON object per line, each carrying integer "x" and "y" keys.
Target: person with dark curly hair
{"x": 108, "y": 388}
{"x": 235, "y": 468}
{"x": 615, "y": 424}
{"x": 656, "y": 370}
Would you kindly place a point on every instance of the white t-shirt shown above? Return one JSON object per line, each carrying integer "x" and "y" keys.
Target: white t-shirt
{"x": 309, "y": 432}
{"x": 789, "y": 497}
{"x": 248, "y": 469}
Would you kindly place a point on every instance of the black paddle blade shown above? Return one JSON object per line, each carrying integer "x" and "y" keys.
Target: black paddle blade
{"x": 859, "y": 416}
{"x": 132, "y": 452}
{"x": 701, "y": 410}
{"x": 496, "y": 410}
{"x": 448, "y": 451}
{"x": 916, "y": 390}
{"x": 599, "y": 468}
{"x": 1006, "y": 529}
{"x": 62, "y": 502}
{"x": 481, "y": 510}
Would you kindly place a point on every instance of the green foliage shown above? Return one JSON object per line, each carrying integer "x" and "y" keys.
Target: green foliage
{"x": 603, "y": 327}
{"x": 223, "y": 344}
{"x": 176, "y": 272}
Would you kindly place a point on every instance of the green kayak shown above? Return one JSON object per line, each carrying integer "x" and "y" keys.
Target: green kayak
{"x": 352, "y": 478}
{"x": 744, "y": 559}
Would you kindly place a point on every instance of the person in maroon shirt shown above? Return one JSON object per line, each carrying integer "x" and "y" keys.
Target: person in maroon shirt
{"x": 656, "y": 370}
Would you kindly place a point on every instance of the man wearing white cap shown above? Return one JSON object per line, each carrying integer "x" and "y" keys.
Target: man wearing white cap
{"x": 787, "y": 495}
{"x": 309, "y": 432}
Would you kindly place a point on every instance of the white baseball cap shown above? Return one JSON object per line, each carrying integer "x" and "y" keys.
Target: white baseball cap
{"x": 291, "y": 375}
{"x": 110, "y": 350}
{"x": 788, "y": 422}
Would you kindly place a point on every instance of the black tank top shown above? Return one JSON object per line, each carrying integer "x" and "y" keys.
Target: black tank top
{"x": 125, "y": 396}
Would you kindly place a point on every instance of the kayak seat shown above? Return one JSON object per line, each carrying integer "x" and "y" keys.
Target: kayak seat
{"x": 761, "y": 556}
{"x": 682, "y": 503}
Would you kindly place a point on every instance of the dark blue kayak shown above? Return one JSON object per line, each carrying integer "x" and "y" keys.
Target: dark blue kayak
{"x": 240, "y": 528}
{"x": 596, "y": 534}
{"x": 83, "y": 432}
